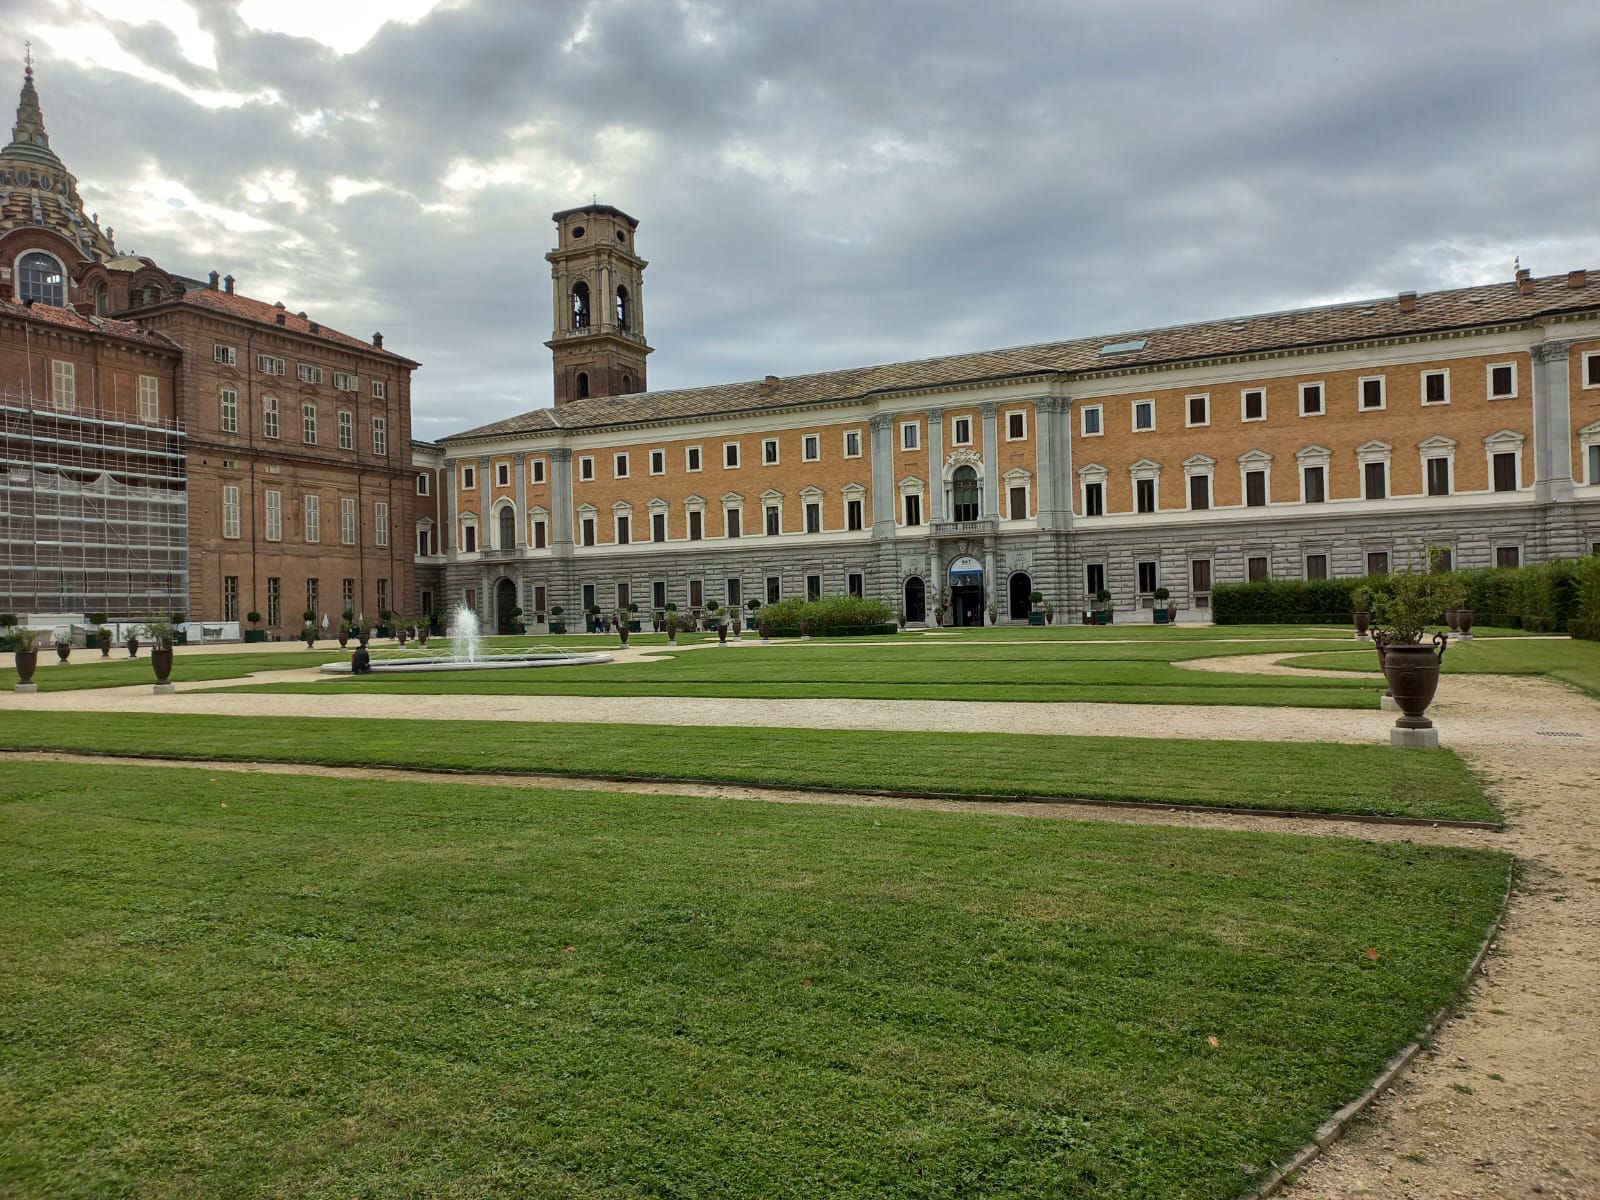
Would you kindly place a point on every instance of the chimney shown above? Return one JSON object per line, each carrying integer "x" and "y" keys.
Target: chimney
{"x": 1408, "y": 302}
{"x": 315, "y": 328}
{"x": 227, "y": 284}
{"x": 1577, "y": 279}
{"x": 1525, "y": 281}
{"x": 377, "y": 340}
{"x": 212, "y": 283}
{"x": 282, "y": 319}
{"x": 767, "y": 386}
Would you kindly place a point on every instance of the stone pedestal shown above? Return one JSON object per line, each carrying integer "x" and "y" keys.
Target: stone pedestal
{"x": 27, "y": 687}
{"x": 1416, "y": 739}
{"x": 163, "y": 689}
{"x": 1388, "y": 704}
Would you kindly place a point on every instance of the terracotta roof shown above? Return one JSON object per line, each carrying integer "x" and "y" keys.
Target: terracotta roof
{"x": 1332, "y": 324}
{"x": 71, "y": 318}
{"x": 235, "y": 305}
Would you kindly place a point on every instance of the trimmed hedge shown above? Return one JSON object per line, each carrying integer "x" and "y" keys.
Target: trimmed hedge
{"x": 831, "y": 616}
{"x": 1285, "y": 602}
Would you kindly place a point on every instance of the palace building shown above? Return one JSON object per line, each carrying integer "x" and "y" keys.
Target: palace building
{"x": 168, "y": 444}
{"x": 1341, "y": 440}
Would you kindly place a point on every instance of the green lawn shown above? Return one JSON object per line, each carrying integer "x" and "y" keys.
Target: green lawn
{"x": 272, "y": 986}
{"x": 1570, "y": 660}
{"x": 1304, "y": 776}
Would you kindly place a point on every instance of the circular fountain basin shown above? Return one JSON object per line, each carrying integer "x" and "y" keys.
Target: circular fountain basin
{"x": 482, "y": 662}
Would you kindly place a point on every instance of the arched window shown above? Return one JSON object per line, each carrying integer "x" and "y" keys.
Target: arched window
{"x": 580, "y": 305}
{"x": 964, "y": 494}
{"x": 508, "y": 528}
{"x": 102, "y": 300}
{"x": 41, "y": 278}
{"x": 627, "y": 384}
{"x": 624, "y": 307}
{"x": 583, "y": 385}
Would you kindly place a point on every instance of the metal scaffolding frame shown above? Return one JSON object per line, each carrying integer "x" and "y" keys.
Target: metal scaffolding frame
{"x": 94, "y": 512}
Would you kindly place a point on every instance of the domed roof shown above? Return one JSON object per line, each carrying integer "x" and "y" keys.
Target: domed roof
{"x": 37, "y": 190}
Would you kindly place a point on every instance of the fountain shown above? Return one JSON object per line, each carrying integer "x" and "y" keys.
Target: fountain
{"x": 466, "y": 653}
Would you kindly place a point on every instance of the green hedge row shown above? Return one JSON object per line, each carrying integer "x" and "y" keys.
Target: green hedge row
{"x": 831, "y": 616}
{"x": 1562, "y": 595}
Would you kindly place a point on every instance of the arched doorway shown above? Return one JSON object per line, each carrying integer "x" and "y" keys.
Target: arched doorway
{"x": 916, "y": 600}
{"x": 505, "y": 599}
{"x": 1021, "y": 591}
{"x": 966, "y": 592}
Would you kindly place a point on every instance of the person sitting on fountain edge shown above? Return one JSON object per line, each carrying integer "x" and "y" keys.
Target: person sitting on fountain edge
{"x": 361, "y": 662}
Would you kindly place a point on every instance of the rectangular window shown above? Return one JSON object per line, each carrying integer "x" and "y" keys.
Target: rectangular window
{"x": 658, "y": 462}
{"x": 1253, "y": 404}
{"x": 1372, "y": 392}
{"x": 1441, "y": 559}
{"x": 1436, "y": 387}
{"x": 913, "y": 509}
{"x": 230, "y": 411}
{"x": 313, "y": 511}
{"x": 268, "y": 365}
{"x": 813, "y": 517}
{"x": 1593, "y": 453}
{"x": 379, "y": 389}
{"x": 1375, "y": 478}
{"x": 852, "y": 443}
{"x": 347, "y": 592}
{"x": 1591, "y": 368}
{"x": 769, "y": 452}
{"x": 1377, "y": 562}
{"x": 383, "y": 595}
{"x": 347, "y": 430}
{"x": 1255, "y": 489}
{"x": 1316, "y": 566}
{"x": 1016, "y": 426}
{"x": 308, "y": 424}
{"x": 813, "y": 587}
{"x": 307, "y": 374}
{"x": 274, "y": 516}
{"x": 730, "y": 456}
{"x": 691, "y": 458}
{"x": 586, "y": 536}
{"x": 541, "y": 535}
{"x": 347, "y": 522}
{"x": 697, "y": 593}
{"x": 1505, "y": 471}
{"x": 658, "y": 594}
{"x": 1502, "y": 381}
{"x": 588, "y": 597}
{"x": 226, "y": 355}
{"x": 380, "y": 523}
{"x": 1019, "y": 503}
{"x": 774, "y": 589}
{"x": 423, "y": 536}
{"x": 149, "y": 398}
{"x": 1200, "y": 575}
{"x": 852, "y": 514}
{"x": 274, "y": 600}
{"x": 855, "y": 583}
{"x": 586, "y": 467}
{"x": 380, "y": 437}
{"x": 422, "y": 484}
{"x": 230, "y": 597}
{"x": 810, "y": 447}
{"x": 619, "y": 466}
{"x": 1144, "y": 415}
{"x": 1147, "y": 577}
{"x": 343, "y": 381}
{"x": 469, "y": 539}
{"x": 1199, "y": 492}
{"x": 1093, "y": 423}
{"x": 536, "y": 470}
{"x": 774, "y": 519}
{"x": 911, "y": 435}
{"x": 1094, "y": 579}
{"x": 961, "y": 431}
{"x": 1145, "y": 495}
{"x": 658, "y": 527}
{"x": 1508, "y": 556}
{"x": 1315, "y": 484}
{"x": 1255, "y": 568}
{"x": 1310, "y": 399}
{"x": 735, "y": 592}
{"x": 1094, "y": 499}
{"x": 733, "y": 521}
{"x": 697, "y": 521}
{"x": 313, "y": 595}
{"x": 230, "y": 510}
{"x": 624, "y": 530}
{"x": 1438, "y": 477}
{"x": 64, "y": 385}
{"x": 469, "y": 478}
{"x": 1199, "y": 409}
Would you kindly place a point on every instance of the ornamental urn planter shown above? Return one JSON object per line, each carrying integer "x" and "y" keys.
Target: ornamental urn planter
{"x": 1451, "y": 618}
{"x": 161, "y": 661}
{"x": 1363, "y": 621}
{"x": 1464, "y": 621}
{"x": 133, "y": 647}
{"x": 1412, "y": 669}
{"x": 622, "y": 632}
{"x": 27, "y": 664}
{"x": 63, "y": 650}
{"x": 766, "y": 634}
{"x": 105, "y": 645}
{"x": 722, "y": 633}
{"x": 805, "y": 631}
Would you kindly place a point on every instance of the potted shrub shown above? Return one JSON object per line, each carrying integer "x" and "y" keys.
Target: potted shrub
{"x": 403, "y": 630}
{"x": 253, "y": 634}
{"x": 633, "y": 616}
{"x": 622, "y": 632}
{"x": 1400, "y": 610}
{"x": 516, "y": 623}
{"x": 900, "y": 616}
{"x": 8, "y": 631}
{"x": 180, "y": 622}
{"x": 994, "y": 615}
{"x": 163, "y": 635}
{"x": 63, "y": 643}
{"x": 102, "y": 635}
{"x": 556, "y": 624}
{"x": 1035, "y": 608}
{"x": 805, "y": 629}
{"x": 25, "y": 647}
{"x": 344, "y": 634}
{"x": 1161, "y": 614}
{"x": 754, "y": 606}
{"x": 593, "y": 622}
{"x": 363, "y": 630}
{"x": 422, "y": 631}
{"x": 308, "y": 632}
{"x": 766, "y": 633}
{"x": 672, "y": 625}
{"x": 1102, "y": 614}
{"x": 1361, "y": 598}
{"x": 938, "y": 615}
{"x": 1049, "y": 613}
{"x": 384, "y": 629}
{"x": 131, "y": 641}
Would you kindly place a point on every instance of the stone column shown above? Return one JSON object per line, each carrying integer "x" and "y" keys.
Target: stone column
{"x": 938, "y": 500}
{"x": 1053, "y": 430}
{"x": 883, "y": 491}
{"x": 486, "y": 533}
{"x": 450, "y": 543}
{"x": 519, "y": 464}
{"x": 561, "y": 502}
{"x": 1552, "y": 424}
{"x": 991, "y": 461}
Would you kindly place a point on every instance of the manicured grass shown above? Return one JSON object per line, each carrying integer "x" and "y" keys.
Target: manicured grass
{"x": 1570, "y": 660}
{"x": 89, "y": 670}
{"x": 272, "y": 986}
{"x": 1304, "y": 776}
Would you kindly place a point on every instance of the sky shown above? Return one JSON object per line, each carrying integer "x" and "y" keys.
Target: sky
{"x": 820, "y": 183}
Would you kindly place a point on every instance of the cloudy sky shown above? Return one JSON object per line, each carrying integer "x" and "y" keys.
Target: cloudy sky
{"x": 821, "y": 183}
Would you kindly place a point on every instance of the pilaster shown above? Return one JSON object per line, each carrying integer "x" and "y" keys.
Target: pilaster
{"x": 938, "y": 501}
{"x": 991, "y": 460}
{"x": 1552, "y": 423}
{"x": 561, "y": 502}
{"x": 519, "y": 464}
{"x": 883, "y": 494}
{"x": 448, "y": 542}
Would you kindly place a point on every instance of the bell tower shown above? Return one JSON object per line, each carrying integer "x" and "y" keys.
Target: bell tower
{"x": 598, "y": 343}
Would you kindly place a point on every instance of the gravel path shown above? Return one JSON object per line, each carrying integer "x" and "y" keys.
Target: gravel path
{"x": 1506, "y": 1103}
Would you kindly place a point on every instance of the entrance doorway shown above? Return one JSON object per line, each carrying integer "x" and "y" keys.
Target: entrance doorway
{"x": 505, "y": 599}
{"x": 916, "y": 600}
{"x": 966, "y": 591}
{"x": 1021, "y": 591}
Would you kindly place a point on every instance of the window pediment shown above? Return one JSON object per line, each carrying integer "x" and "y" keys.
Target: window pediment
{"x": 1255, "y": 458}
{"x": 811, "y": 493}
{"x": 1436, "y": 444}
{"x": 854, "y": 491}
{"x": 1091, "y": 471}
{"x": 1313, "y": 454}
{"x": 1505, "y": 439}
{"x": 1199, "y": 462}
{"x": 1017, "y": 476}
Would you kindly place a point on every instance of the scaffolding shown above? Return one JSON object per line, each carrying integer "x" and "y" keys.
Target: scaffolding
{"x": 94, "y": 512}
